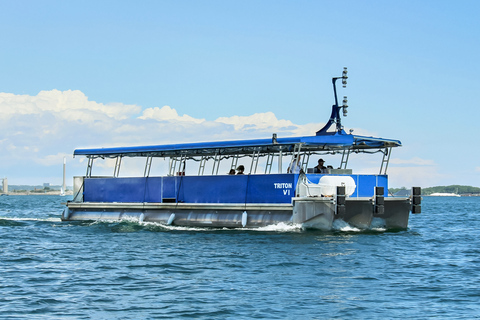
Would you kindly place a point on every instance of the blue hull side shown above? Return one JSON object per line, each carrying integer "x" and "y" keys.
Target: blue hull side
{"x": 273, "y": 188}
{"x": 232, "y": 201}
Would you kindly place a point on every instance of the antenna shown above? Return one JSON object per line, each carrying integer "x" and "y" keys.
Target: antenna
{"x": 344, "y": 77}
{"x": 335, "y": 116}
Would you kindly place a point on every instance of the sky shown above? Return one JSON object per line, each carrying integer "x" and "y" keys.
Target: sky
{"x": 84, "y": 74}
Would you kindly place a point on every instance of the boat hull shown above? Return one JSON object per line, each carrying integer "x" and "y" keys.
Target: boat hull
{"x": 308, "y": 212}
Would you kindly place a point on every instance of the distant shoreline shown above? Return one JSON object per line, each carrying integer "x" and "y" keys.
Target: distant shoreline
{"x": 28, "y": 193}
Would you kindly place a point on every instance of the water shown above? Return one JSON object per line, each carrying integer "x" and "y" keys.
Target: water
{"x": 77, "y": 270}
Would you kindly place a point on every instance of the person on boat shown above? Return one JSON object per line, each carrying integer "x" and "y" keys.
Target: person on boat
{"x": 240, "y": 169}
{"x": 320, "y": 168}
{"x": 232, "y": 171}
{"x": 295, "y": 166}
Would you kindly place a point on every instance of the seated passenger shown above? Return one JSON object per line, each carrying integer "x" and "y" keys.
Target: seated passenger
{"x": 240, "y": 169}
{"x": 320, "y": 168}
{"x": 232, "y": 171}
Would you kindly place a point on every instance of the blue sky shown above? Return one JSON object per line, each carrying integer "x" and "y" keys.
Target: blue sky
{"x": 101, "y": 73}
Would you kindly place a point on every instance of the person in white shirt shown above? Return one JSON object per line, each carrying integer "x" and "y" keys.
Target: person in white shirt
{"x": 295, "y": 166}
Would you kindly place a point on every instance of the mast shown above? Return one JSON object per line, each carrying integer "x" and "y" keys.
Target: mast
{"x": 335, "y": 116}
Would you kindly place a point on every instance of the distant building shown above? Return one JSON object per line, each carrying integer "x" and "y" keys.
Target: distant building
{"x": 5, "y": 185}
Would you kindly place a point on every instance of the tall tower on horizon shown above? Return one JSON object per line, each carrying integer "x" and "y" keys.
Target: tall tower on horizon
{"x": 5, "y": 185}
{"x": 64, "y": 187}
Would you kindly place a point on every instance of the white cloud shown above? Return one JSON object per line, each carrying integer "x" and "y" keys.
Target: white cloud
{"x": 51, "y": 159}
{"x": 65, "y": 105}
{"x": 166, "y": 113}
{"x": 265, "y": 120}
{"x": 38, "y": 131}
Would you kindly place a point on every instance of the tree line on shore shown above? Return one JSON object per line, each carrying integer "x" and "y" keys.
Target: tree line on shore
{"x": 33, "y": 189}
{"x": 458, "y": 189}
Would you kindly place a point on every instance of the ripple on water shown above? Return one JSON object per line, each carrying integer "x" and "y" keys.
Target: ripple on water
{"x": 123, "y": 269}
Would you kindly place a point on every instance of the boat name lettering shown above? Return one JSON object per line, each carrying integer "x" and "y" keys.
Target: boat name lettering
{"x": 283, "y": 185}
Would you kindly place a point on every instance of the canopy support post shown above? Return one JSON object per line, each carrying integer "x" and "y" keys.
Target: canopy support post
{"x": 345, "y": 155}
{"x": 255, "y": 157}
{"x": 216, "y": 162}
{"x": 280, "y": 165}
{"x": 201, "y": 168}
{"x": 118, "y": 162}
{"x": 268, "y": 166}
{"x": 148, "y": 166}
{"x": 296, "y": 156}
{"x": 173, "y": 164}
{"x": 89, "y": 167}
{"x": 385, "y": 160}
{"x": 183, "y": 160}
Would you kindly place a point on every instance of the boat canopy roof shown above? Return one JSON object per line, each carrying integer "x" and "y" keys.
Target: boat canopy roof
{"x": 324, "y": 142}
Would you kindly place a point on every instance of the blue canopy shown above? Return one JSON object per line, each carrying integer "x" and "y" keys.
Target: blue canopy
{"x": 324, "y": 142}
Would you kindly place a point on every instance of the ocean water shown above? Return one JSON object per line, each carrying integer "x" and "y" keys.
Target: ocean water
{"x": 123, "y": 270}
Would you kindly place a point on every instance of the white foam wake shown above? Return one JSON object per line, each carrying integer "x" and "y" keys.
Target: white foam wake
{"x": 31, "y": 219}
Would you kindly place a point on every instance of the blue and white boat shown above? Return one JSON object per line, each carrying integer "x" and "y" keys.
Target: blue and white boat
{"x": 266, "y": 194}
